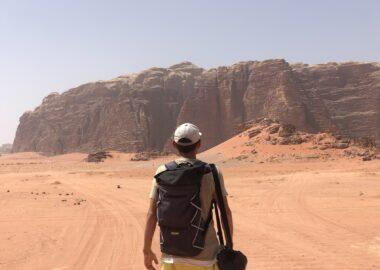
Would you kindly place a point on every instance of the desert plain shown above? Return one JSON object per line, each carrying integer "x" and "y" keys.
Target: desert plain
{"x": 62, "y": 212}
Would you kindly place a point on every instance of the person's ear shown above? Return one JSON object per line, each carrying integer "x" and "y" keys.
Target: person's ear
{"x": 198, "y": 145}
{"x": 175, "y": 147}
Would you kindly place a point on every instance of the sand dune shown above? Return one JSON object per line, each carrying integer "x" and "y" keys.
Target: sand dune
{"x": 63, "y": 213}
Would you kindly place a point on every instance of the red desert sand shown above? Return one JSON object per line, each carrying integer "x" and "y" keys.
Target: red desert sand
{"x": 294, "y": 208}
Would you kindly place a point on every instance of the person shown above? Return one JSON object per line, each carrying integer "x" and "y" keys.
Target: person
{"x": 187, "y": 142}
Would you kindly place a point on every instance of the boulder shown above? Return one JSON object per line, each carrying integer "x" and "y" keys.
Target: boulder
{"x": 323, "y": 147}
{"x": 367, "y": 158}
{"x": 286, "y": 130}
{"x": 296, "y": 139}
{"x": 366, "y": 142}
{"x": 291, "y": 140}
{"x": 241, "y": 157}
{"x": 267, "y": 137}
{"x": 142, "y": 156}
{"x": 253, "y": 133}
{"x": 5, "y": 148}
{"x": 273, "y": 129}
{"x": 98, "y": 157}
{"x": 283, "y": 141}
{"x": 340, "y": 145}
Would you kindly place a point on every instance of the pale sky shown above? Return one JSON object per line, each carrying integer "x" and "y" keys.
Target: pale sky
{"x": 48, "y": 46}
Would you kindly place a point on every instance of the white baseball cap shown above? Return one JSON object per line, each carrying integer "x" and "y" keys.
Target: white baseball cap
{"x": 187, "y": 131}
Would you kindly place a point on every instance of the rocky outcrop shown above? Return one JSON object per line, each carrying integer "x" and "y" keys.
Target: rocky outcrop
{"x": 281, "y": 139}
{"x": 5, "y": 148}
{"x": 98, "y": 156}
{"x": 139, "y": 112}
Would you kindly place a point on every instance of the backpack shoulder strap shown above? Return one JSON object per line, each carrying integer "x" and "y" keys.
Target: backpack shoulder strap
{"x": 171, "y": 166}
{"x": 222, "y": 207}
{"x": 199, "y": 163}
{"x": 206, "y": 166}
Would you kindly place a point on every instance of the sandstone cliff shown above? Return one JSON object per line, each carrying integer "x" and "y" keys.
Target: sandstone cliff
{"x": 139, "y": 112}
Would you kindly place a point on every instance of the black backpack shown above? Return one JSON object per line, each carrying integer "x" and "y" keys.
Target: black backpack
{"x": 179, "y": 210}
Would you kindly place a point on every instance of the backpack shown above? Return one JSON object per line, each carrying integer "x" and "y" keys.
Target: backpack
{"x": 179, "y": 210}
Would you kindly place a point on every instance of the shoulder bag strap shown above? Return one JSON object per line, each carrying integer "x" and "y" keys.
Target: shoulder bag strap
{"x": 218, "y": 224}
{"x": 222, "y": 207}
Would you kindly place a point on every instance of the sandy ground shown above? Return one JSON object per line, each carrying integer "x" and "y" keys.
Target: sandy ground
{"x": 63, "y": 213}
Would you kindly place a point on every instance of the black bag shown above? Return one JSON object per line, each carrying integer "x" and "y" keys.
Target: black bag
{"x": 228, "y": 259}
{"x": 179, "y": 210}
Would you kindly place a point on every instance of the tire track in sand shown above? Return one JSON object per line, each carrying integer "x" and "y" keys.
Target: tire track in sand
{"x": 291, "y": 234}
{"x": 116, "y": 237}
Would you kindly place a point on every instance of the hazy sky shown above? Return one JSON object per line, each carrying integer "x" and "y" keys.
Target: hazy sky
{"x": 48, "y": 46}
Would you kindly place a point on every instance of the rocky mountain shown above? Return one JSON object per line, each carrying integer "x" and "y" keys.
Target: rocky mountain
{"x": 139, "y": 112}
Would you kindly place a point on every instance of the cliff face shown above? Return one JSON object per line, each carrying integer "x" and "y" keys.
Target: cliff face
{"x": 225, "y": 97}
{"x": 342, "y": 98}
{"x": 140, "y": 111}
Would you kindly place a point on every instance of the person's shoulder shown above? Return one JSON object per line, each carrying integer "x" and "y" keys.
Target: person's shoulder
{"x": 161, "y": 168}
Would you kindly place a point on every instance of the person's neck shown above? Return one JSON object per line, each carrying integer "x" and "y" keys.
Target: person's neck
{"x": 189, "y": 155}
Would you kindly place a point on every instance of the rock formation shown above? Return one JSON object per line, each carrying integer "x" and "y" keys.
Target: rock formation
{"x": 5, "y": 148}
{"x": 139, "y": 112}
{"x": 98, "y": 156}
{"x": 270, "y": 141}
